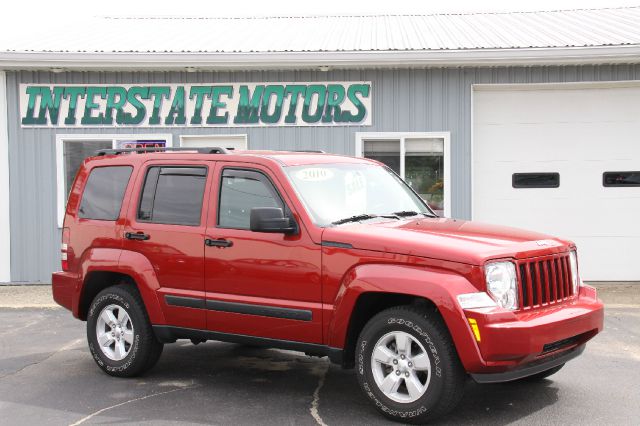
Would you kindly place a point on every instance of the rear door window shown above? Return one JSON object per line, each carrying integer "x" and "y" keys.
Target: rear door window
{"x": 173, "y": 195}
{"x": 103, "y": 193}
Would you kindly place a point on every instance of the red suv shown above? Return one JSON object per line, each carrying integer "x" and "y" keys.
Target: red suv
{"x": 330, "y": 255}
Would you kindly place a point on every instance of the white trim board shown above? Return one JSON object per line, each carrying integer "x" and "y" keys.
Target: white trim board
{"x": 5, "y": 208}
{"x": 445, "y": 136}
{"x": 313, "y": 60}
{"x": 61, "y": 200}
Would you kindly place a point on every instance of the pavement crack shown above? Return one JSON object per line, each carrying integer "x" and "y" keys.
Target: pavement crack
{"x": 315, "y": 403}
{"x": 62, "y": 349}
{"x": 130, "y": 401}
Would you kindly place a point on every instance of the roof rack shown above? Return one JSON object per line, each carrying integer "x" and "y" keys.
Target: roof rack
{"x": 215, "y": 150}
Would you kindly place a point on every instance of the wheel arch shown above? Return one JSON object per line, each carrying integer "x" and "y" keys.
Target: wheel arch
{"x": 373, "y": 288}
{"x": 103, "y": 268}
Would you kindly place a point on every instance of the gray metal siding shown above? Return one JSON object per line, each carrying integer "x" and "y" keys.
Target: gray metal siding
{"x": 403, "y": 100}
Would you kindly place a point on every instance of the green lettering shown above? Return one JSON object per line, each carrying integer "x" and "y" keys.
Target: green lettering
{"x": 157, "y": 93}
{"x": 216, "y": 104}
{"x": 199, "y": 92}
{"x": 133, "y": 98}
{"x": 295, "y": 90}
{"x": 29, "y": 117}
{"x": 321, "y": 92}
{"x": 73, "y": 93}
{"x": 49, "y": 104}
{"x": 176, "y": 112}
{"x": 90, "y": 104}
{"x": 269, "y": 91}
{"x": 112, "y": 93}
{"x": 352, "y": 93}
{"x": 335, "y": 96}
{"x": 248, "y": 105}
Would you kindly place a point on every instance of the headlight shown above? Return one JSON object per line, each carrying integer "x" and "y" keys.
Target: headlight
{"x": 573, "y": 262}
{"x": 502, "y": 284}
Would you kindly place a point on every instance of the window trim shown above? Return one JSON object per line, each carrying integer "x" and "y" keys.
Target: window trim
{"x": 124, "y": 194}
{"x": 555, "y": 174}
{"x": 287, "y": 210}
{"x": 606, "y": 185}
{"x": 402, "y": 137}
{"x": 148, "y": 167}
{"x": 61, "y": 181}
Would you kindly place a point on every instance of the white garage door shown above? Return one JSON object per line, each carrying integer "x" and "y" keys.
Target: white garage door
{"x": 579, "y": 132}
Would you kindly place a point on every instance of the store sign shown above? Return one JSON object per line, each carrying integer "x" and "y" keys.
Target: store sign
{"x": 213, "y": 105}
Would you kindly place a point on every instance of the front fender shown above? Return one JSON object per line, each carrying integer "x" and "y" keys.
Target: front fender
{"x": 439, "y": 286}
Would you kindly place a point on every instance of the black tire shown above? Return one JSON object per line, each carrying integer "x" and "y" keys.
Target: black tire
{"x": 543, "y": 375}
{"x": 447, "y": 379}
{"x": 143, "y": 352}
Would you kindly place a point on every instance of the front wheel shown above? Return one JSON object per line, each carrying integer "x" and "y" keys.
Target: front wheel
{"x": 407, "y": 365}
{"x": 120, "y": 336}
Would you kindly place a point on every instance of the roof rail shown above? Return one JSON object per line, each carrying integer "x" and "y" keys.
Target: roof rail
{"x": 214, "y": 150}
{"x": 316, "y": 151}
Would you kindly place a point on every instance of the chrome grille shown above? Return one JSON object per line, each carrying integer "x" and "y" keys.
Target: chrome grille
{"x": 544, "y": 280}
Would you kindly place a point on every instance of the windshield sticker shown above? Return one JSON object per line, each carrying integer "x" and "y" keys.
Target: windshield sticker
{"x": 314, "y": 174}
{"x": 355, "y": 192}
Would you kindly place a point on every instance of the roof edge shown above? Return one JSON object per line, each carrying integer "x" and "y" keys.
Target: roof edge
{"x": 61, "y": 61}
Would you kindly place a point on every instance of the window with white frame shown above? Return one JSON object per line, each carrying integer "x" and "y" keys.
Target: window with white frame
{"x": 421, "y": 159}
{"x": 72, "y": 150}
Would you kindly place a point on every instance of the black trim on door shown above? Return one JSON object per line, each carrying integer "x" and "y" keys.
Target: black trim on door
{"x": 260, "y": 310}
{"x": 240, "y": 308}
{"x": 185, "y": 302}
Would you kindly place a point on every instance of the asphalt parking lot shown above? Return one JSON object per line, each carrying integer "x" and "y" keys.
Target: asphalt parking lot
{"x": 48, "y": 377}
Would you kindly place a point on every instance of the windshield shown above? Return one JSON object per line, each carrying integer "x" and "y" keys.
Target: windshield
{"x": 332, "y": 192}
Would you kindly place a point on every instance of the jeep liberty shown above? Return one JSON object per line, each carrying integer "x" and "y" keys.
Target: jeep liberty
{"x": 329, "y": 255}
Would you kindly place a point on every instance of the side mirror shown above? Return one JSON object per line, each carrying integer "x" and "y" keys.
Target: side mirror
{"x": 271, "y": 219}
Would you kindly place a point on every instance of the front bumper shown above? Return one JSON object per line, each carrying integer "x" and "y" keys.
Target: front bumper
{"x": 512, "y": 341}
{"x": 530, "y": 369}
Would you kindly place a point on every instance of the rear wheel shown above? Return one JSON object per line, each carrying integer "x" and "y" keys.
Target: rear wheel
{"x": 119, "y": 333}
{"x": 407, "y": 365}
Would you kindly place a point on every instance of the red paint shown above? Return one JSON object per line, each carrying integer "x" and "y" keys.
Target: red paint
{"x": 435, "y": 259}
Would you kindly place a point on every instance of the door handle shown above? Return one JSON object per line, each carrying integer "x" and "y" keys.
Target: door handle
{"x": 221, "y": 242}
{"x": 136, "y": 236}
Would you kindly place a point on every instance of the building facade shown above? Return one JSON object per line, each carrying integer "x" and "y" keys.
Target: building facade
{"x": 539, "y": 144}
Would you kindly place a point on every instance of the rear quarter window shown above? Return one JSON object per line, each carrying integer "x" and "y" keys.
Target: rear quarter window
{"x": 103, "y": 193}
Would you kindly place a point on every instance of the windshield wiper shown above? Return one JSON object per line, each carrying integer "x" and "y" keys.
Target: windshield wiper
{"x": 356, "y": 218}
{"x": 364, "y": 216}
{"x": 407, "y": 213}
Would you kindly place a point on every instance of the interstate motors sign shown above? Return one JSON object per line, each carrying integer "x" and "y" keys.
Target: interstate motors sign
{"x": 197, "y": 105}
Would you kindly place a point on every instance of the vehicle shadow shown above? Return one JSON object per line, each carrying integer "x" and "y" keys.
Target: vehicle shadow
{"x": 223, "y": 383}
{"x": 340, "y": 399}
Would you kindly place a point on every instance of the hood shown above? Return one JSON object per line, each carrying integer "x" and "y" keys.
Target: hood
{"x": 446, "y": 239}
